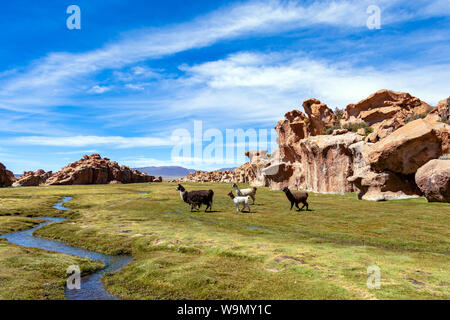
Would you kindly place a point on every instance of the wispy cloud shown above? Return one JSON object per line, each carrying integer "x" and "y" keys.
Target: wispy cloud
{"x": 56, "y": 74}
{"x": 83, "y": 141}
{"x": 99, "y": 89}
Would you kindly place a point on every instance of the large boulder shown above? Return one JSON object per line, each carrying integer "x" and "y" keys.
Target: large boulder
{"x": 320, "y": 116}
{"x": 290, "y": 131}
{"x": 433, "y": 179}
{"x": 322, "y": 164}
{"x": 385, "y": 111}
{"x": 297, "y": 126}
{"x": 381, "y": 186}
{"x": 410, "y": 147}
{"x": 30, "y": 178}
{"x": 441, "y": 112}
{"x": 94, "y": 169}
{"x": 382, "y": 105}
{"x": 6, "y": 177}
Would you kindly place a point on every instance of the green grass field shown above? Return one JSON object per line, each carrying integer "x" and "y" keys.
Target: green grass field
{"x": 272, "y": 253}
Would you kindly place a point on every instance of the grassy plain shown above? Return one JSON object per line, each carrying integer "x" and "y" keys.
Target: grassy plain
{"x": 272, "y": 253}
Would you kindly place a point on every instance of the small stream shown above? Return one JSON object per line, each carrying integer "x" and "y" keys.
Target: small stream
{"x": 91, "y": 286}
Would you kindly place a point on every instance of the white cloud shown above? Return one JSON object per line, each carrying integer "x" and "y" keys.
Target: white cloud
{"x": 58, "y": 73}
{"x": 83, "y": 141}
{"x": 99, "y": 89}
{"x": 134, "y": 86}
{"x": 276, "y": 79}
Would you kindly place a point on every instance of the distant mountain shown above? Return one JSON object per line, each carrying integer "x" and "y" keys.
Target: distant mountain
{"x": 171, "y": 171}
{"x": 227, "y": 169}
{"x": 166, "y": 171}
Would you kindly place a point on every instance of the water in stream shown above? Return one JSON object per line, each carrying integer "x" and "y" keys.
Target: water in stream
{"x": 91, "y": 285}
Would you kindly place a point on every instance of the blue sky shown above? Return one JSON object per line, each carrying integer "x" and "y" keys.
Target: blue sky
{"x": 138, "y": 71}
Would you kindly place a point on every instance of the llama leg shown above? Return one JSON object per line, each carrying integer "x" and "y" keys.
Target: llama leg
{"x": 253, "y": 198}
{"x": 298, "y": 208}
{"x": 292, "y": 205}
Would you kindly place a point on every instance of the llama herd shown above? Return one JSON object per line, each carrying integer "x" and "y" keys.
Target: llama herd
{"x": 197, "y": 198}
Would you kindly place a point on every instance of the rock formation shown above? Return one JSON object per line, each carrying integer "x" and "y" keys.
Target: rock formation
{"x": 378, "y": 167}
{"x": 434, "y": 180}
{"x": 322, "y": 164}
{"x": 441, "y": 112}
{"x": 385, "y": 111}
{"x": 30, "y": 178}
{"x": 381, "y": 186}
{"x": 410, "y": 147}
{"x": 95, "y": 170}
{"x": 320, "y": 116}
{"x": 6, "y": 177}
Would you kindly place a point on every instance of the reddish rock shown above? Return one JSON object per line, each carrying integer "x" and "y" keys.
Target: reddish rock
{"x": 322, "y": 164}
{"x": 290, "y": 131}
{"x": 249, "y": 172}
{"x": 382, "y": 105}
{"x": 298, "y": 126}
{"x": 338, "y": 132}
{"x": 434, "y": 180}
{"x": 384, "y": 128}
{"x": 410, "y": 147}
{"x": 442, "y": 112}
{"x": 320, "y": 116}
{"x": 30, "y": 178}
{"x": 254, "y": 154}
{"x": 347, "y": 161}
{"x": 6, "y": 177}
{"x": 159, "y": 179}
{"x": 95, "y": 170}
{"x": 381, "y": 186}
{"x": 385, "y": 111}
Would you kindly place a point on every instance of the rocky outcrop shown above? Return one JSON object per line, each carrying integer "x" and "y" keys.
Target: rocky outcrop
{"x": 249, "y": 172}
{"x": 410, "y": 147}
{"x": 381, "y": 186}
{"x": 30, "y": 178}
{"x": 94, "y": 169}
{"x": 380, "y": 166}
{"x": 297, "y": 126}
{"x": 320, "y": 116}
{"x": 434, "y": 180}
{"x": 6, "y": 177}
{"x": 385, "y": 111}
{"x": 384, "y": 105}
{"x": 441, "y": 113}
{"x": 323, "y": 165}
